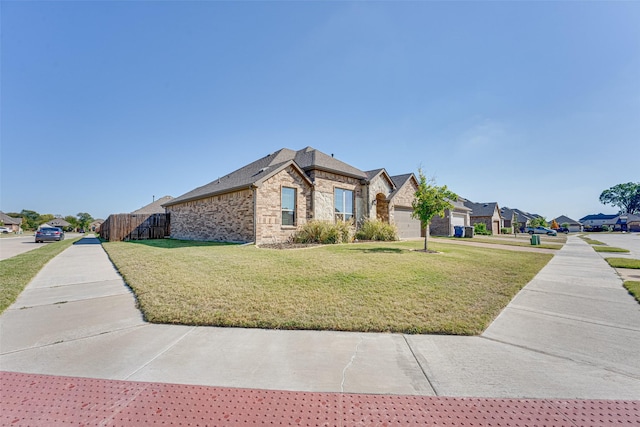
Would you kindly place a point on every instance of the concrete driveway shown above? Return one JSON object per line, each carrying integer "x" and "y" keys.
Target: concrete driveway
{"x": 573, "y": 332}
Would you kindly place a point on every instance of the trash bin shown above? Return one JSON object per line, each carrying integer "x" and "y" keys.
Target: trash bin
{"x": 458, "y": 231}
{"x": 468, "y": 231}
{"x": 535, "y": 239}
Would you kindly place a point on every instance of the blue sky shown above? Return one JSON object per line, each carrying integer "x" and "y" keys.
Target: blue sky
{"x": 534, "y": 105}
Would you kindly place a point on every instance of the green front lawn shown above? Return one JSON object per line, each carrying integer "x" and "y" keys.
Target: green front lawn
{"x": 350, "y": 287}
{"x": 519, "y": 241}
{"x": 17, "y": 272}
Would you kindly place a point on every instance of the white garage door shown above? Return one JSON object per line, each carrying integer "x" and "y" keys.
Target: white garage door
{"x": 457, "y": 220}
{"x": 407, "y": 226}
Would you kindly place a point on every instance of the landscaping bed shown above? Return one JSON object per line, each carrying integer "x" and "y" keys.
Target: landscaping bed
{"x": 384, "y": 287}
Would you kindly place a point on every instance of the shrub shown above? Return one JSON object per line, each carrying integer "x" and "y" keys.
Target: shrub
{"x": 506, "y": 230}
{"x": 377, "y": 230}
{"x": 481, "y": 228}
{"x": 323, "y": 232}
{"x": 605, "y": 228}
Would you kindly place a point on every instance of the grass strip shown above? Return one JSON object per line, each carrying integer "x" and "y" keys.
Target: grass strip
{"x": 17, "y": 272}
{"x": 609, "y": 249}
{"x": 634, "y": 288}
{"x": 592, "y": 241}
{"x": 623, "y": 262}
{"x": 503, "y": 241}
{"x": 382, "y": 287}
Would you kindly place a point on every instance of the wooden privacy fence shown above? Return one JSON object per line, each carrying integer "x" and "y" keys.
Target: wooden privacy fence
{"x": 135, "y": 227}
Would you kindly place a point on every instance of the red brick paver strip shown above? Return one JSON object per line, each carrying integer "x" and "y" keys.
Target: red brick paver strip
{"x": 43, "y": 400}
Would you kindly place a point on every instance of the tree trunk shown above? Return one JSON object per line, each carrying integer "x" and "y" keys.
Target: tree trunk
{"x": 426, "y": 235}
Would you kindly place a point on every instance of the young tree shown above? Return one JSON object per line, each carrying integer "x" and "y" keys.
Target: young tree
{"x": 625, "y": 196}
{"x": 430, "y": 200}
{"x": 554, "y": 224}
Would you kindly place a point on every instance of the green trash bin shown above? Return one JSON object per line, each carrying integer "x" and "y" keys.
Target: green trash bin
{"x": 535, "y": 239}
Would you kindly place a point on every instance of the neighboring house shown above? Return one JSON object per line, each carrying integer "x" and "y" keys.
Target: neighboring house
{"x": 598, "y": 220}
{"x": 10, "y": 222}
{"x": 633, "y": 223}
{"x": 95, "y": 225}
{"x": 459, "y": 215}
{"x": 627, "y": 222}
{"x": 60, "y": 223}
{"x": 522, "y": 218}
{"x": 154, "y": 207}
{"x": 574, "y": 226}
{"x": 487, "y": 213}
{"x": 265, "y": 201}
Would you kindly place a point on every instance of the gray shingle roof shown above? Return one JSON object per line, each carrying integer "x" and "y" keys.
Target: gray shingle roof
{"x": 562, "y": 219}
{"x": 306, "y": 160}
{"x": 598, "y": 216}
{"x": 399, "y": 181}
{"x": 9, "y": 220}
{"x": 481, "y": 209}
{"x": 154, "y": 207}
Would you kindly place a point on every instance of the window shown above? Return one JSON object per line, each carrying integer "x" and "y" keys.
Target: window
{"x": 343, "y": 200}
{"x": 288, "y": 206}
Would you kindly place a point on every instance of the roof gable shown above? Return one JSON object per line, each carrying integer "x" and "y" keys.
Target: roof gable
{"x": 400, "y": 181}
{"x": 562, "y": 219}
{"x": 373, "y": 174}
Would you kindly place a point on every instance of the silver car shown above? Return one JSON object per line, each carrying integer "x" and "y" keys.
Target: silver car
{"x": 542, "y": 230}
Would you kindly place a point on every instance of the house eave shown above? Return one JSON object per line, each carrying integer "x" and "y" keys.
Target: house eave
{"x": 207, "y": 195}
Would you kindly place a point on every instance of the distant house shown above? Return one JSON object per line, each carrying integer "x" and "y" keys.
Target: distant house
{"x": 459, "y": 215}
{"x": 10, "y": 222}
{"x": 573, "y": 225}
{"x": 595, "y": 222}
{"x": 95, "y": 225}
{"x": 266, "y": 200}
{"x": 627, "y": 222}
{"x": 522, "y": 218}
{"x": 154, "y": 207}
{"x": 486, "y": 213}
{"x": 633, "y": 223}
{"x": 60, "y": 223}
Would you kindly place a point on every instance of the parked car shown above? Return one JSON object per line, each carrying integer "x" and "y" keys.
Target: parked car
{"x": 564, "y": 230}
{"x": 49, "y": 234}
{"x": 541, "y": 230}
{"x": 5, "y": 230}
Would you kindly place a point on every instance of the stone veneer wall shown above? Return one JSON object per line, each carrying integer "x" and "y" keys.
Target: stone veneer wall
{"x": 404, "y": 197}
{"x": 379, "y": 185}
{"x": 225, "y": 218}
{"x": 325, "y": 183}
{"x": 269, "y": 228}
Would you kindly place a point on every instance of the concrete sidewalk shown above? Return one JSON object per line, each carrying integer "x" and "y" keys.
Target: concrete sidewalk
{"x": 573, "y": 332}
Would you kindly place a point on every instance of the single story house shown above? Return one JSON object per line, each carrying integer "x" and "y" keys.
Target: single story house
{"x": 266, "y": 200}
{"x": 522, "y": 218}
{"x": 10, "y": 222}
{"x": 459, "y": 215}
{"x": 573, "y": 225}
{"x": 627, "y": 222}
{"x": 486, "y": 213}
{"x": 596, "y": 221}
{"x": 60, "y": 223}
{"x": 95, "y": 225}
